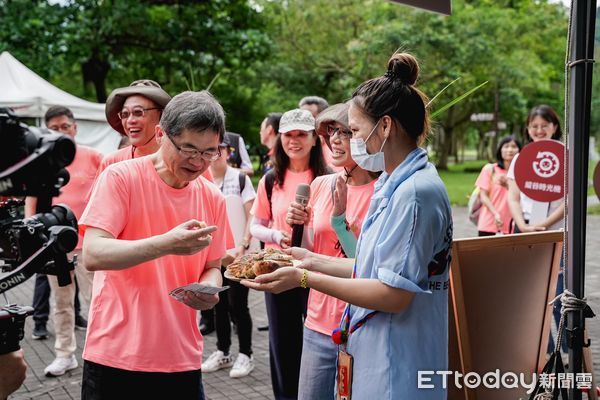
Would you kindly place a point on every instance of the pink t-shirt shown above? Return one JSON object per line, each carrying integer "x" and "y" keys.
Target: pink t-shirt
{"x": 498, "y": 195}
{"x": 115, "y": 157}
{"x": 325, "y": 312}
{"x": 134, "y": 324}
{"x": 82, "y": 173}
{"x": 125, "y": 154}
{"x": 280, "y": 199}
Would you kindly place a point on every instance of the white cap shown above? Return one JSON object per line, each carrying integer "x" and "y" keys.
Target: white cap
{"x": 296, "y": 120}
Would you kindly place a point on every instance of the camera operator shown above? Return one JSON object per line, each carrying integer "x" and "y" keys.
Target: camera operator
{"x": 12, "y": 372}
{"x": 32, "y": 163}
{"x": 82, "y": 174}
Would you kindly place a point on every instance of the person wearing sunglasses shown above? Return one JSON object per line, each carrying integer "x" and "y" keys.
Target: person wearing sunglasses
{"x": 134, "y": 111}
{"x": 153, "y": 225}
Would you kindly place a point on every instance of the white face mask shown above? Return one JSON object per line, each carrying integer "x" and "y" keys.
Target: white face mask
{"x": 370, "y": 162}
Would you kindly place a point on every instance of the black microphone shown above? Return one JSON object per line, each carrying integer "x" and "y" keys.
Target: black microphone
{"x": 302, "y": 196}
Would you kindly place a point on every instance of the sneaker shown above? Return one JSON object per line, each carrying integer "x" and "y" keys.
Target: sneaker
{"x": 242, "y": 367}
{"x": 60, "y": 365}
{"x": 39, "y": 332}
{"x": 80, "y": 323}
{"x": 217, "y": 361}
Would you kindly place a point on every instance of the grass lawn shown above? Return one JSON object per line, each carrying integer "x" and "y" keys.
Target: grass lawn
{"x": 594, "y": 210}
{"x": 459, "y": 183}
{"x": 460, "y": 180}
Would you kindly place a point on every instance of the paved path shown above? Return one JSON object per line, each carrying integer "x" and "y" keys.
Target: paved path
{"x": 218, "y": 385}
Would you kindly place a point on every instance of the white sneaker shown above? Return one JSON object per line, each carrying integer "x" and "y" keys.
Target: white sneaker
{"x": 60, "y": 365}
{"x": 242, "y": 367}
{"x": 217, "y": 361}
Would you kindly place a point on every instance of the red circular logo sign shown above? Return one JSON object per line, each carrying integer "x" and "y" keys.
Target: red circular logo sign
{"x": 539, "y": 170}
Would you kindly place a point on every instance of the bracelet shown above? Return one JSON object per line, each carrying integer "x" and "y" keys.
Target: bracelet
{"x": 304, "y": 279}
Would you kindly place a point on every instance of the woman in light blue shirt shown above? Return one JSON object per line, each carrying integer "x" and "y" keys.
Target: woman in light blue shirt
{"x": 397, "y": 322}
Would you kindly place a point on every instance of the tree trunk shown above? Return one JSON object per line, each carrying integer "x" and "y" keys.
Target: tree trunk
{"x": 95, "y": 70}
{"x": 481, "y": 148}
{"x": 445, "y": 148}
{"x": 494, "y": 139}
{"x": 455, "y": 148}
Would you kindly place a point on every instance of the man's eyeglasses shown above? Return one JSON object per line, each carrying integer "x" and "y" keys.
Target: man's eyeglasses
{"x": 62, "y": 127}
{"x": 137, "y": 112}
{"x": 190, "y": 153}
{"x": 344, "y": 134}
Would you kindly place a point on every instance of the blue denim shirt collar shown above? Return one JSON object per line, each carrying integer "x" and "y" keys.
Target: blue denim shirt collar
{"x": 387, "y": 184}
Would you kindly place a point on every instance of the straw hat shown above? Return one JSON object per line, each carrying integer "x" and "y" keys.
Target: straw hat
{"x": 144, "y": 87}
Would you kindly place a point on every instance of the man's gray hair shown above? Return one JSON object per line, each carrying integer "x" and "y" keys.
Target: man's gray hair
{"x": 194, "y": 111}
{"x": 320, "y": 102}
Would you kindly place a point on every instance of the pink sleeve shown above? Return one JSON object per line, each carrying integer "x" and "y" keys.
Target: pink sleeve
{"x": 316, "y": 187}
{"x": 103, "y": 164}
{"x": 484, "y": 180}
{"x": 222, "y": 238}
{"x": 260, "y": 208}
{"x": 97, "y": 160}
{"x": 108, "y": 207}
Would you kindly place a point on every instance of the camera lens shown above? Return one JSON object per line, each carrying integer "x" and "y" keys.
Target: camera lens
{"x": 59, "y": 215}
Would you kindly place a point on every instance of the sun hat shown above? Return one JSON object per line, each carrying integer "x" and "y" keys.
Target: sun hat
{"x": 335, "y": 113}
{"x": 143, "y": 87}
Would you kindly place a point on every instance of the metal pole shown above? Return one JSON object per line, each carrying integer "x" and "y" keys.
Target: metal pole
{"x": 580, "y": 91}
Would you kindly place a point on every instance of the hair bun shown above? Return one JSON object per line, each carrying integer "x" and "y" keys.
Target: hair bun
{"x": 404, "y": 67}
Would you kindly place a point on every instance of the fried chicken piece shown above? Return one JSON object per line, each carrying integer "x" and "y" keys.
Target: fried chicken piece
{"x": 248, "y": 271}
{"x": 264, "y": 267}
{"x": 282, "y": 259}
{"x": 236, "y": 269}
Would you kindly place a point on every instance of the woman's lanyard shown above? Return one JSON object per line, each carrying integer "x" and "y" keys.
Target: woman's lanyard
{"x": 340, "y": 336}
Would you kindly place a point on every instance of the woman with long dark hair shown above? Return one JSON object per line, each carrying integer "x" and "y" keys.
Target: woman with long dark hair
{"x": 493, "y": 190}
{"x": 297, "y": 159}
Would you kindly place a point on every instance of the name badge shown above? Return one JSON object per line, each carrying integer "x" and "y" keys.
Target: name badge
{"x": 344, "y": 376}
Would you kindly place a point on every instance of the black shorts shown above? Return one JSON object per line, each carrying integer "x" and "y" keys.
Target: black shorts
{"x": 107, "y": 383}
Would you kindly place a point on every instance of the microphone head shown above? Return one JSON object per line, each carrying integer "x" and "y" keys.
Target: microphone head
{"x": 303, "y": 194}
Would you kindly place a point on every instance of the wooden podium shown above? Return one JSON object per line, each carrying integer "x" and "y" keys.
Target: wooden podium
{"x": 499, "y": 318}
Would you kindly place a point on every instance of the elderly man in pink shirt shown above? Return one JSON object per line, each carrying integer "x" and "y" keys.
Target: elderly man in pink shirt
{"x": 154, "y": 224}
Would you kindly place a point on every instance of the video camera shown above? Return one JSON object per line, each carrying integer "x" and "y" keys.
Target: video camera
{"x": 32, "y": 162}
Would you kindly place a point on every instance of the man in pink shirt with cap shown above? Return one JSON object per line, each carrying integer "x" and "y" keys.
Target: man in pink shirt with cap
{"x": 134, "y": 111}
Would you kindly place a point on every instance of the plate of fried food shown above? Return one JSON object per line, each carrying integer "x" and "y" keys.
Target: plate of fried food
{"x": 249, "y": 266}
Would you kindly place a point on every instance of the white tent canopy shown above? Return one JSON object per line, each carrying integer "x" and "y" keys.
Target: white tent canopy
{"x": 30, "y": 96}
